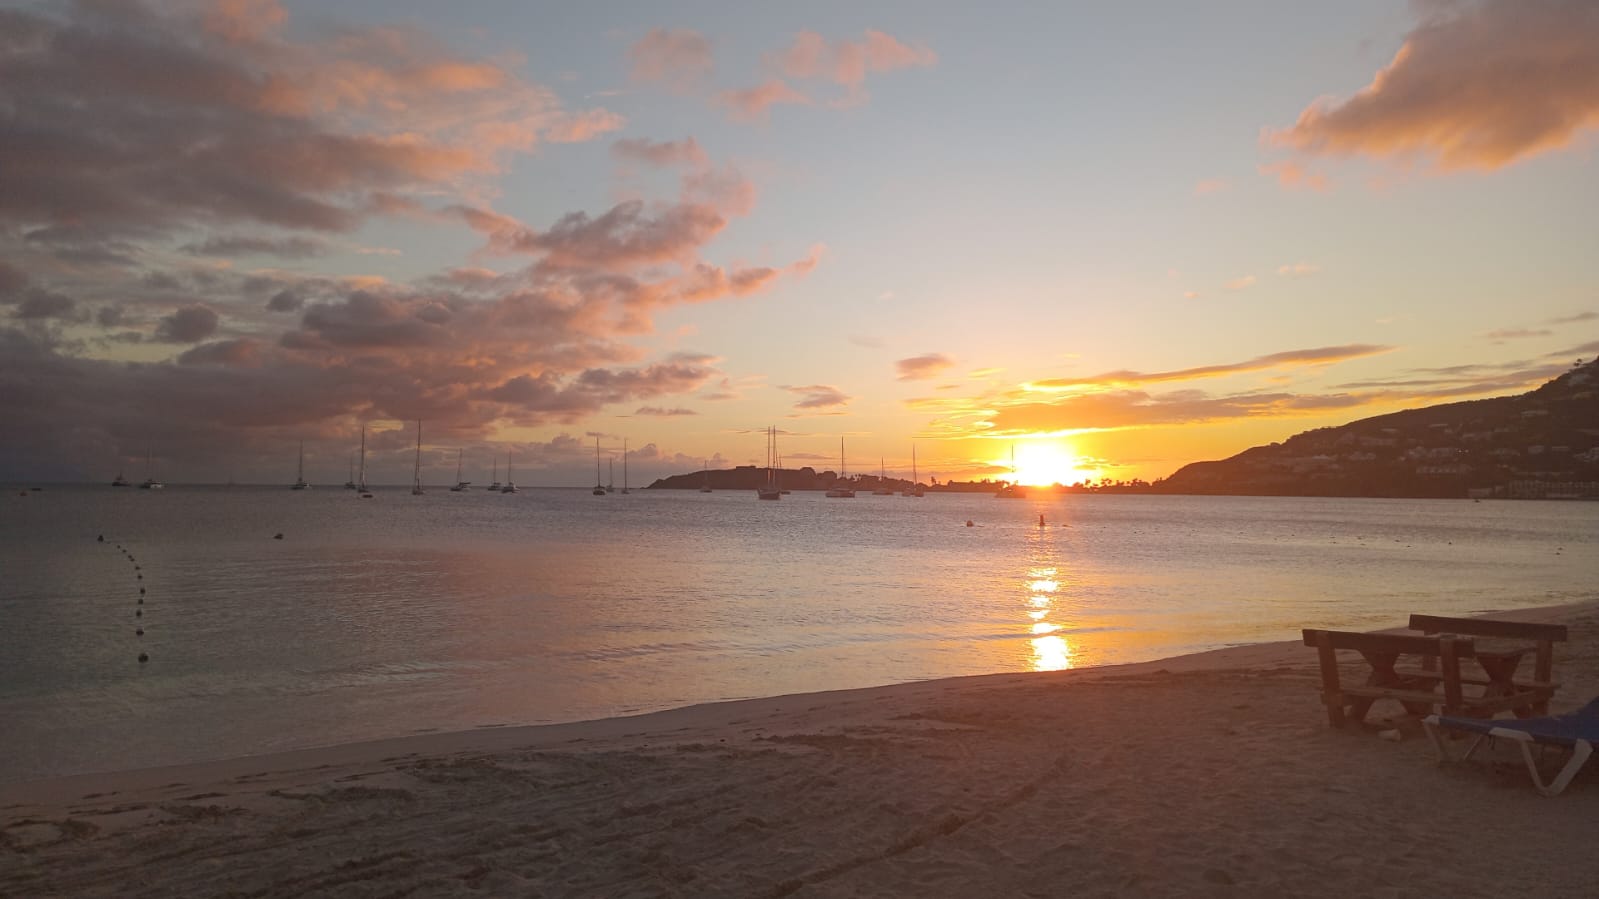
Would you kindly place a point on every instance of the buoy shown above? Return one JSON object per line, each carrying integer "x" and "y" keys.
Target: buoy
{"x": 141, "y": 600}
{"x": 139, "y": 632}
{"x": 277, "y": 536}
{"x": 138, "y": 568}
{"x": 141, "y": 591}
{"x": 968, "y": 522}
{"x": 138, "y": 613}
{"x": 1040, "y": 521}
{"x": 139, "y": 576}
{"x": 100, "y": 539}
{"x": 144, "y": 657}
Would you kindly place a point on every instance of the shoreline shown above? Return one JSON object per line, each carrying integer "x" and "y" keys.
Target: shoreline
{"x": 493, "y": 738}
{"x": 1197, "y": 774}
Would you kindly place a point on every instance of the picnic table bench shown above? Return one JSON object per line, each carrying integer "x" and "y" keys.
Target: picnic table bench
{"x": 1417, "y": 689}
{"x": 1500, "y": 665}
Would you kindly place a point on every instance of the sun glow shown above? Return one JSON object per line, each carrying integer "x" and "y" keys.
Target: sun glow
{"x": 1042, "y": 463}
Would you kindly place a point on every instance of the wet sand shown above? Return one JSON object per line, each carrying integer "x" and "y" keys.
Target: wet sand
{"x": 1211, "y": 774}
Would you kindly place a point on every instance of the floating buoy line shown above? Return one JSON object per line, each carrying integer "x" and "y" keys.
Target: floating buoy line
{"x": 138, "y": 575}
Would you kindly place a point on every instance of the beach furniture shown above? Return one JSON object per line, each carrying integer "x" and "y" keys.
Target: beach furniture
{"x": 1416, "y": 690}
{"x": 1500, "y": 665}
{"x": 1577, "y": 731}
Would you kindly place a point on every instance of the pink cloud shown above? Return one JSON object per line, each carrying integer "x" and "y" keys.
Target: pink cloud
{"x": 679, "y": 58}
{"x": 1210, "y": 186}
{"x": 819, "y": 396}
{"x": 919, "y": 368}
{"x": 686, "y": 152}
{"x": 1475, "y": 86}
{"x": 847, "y": 62}
{"x": 756, "y": 102}
{"x": 1242, "y": 283}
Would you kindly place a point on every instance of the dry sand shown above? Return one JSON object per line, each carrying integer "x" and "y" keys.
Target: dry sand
{"x": 1212, "y": 774}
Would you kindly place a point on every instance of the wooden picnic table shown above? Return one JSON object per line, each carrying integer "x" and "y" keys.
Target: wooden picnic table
{"x": 1501, "y": 663}
{"x": 1415, "y": 690}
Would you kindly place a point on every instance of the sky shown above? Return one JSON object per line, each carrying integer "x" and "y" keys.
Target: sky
{"x": 1108, "y": 238}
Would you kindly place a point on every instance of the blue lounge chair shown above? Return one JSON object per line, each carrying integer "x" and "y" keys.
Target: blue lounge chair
{"x": 1577, "y": 731}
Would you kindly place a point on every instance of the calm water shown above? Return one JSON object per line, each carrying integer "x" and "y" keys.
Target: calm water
{"x": 449, "y": 611}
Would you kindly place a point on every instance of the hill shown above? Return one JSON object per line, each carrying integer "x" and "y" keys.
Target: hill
{"x": 1541, "y": 444}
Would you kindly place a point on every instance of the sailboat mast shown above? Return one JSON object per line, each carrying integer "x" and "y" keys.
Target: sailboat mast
{"x": 362, "y": 483}
{"x": 300, "y": 473}
{"x": 416, "y": 471}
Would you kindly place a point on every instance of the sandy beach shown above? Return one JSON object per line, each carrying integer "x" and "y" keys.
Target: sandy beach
{"x": 1211, "y": 774}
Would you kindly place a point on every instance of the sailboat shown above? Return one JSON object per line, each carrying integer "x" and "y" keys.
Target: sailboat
{"x": 915, "y": 489}
{"x": 360, "y": 484}
{"x": 299, "y": 478}
{"x": 599, "y": 489}
{"x": 770, "y": 489}
{"x": 460, "y": 485}
{"x": 840, "y": 488}
{"x": 495, "y": 487}
{"x": 416, "y": 471}
{"x": 882, "y": 480}
{"x": 706, "y": 487}
{"x": 624, "y": 465}
{"x": 350, "y": 484}
{"x": 610, "y": 482}
{"x": 510, "y": 477}
{"x": 1012, "y": 490}
{"x": 150, "y": 483}
{"x": 120, "y": 481}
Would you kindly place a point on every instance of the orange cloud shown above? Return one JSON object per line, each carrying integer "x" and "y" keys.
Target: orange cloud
{"x": 1243, "y": 283}
{"x": 1210, "y": 186}
{"x": 1316, "y": 356}
{"x": 1292, "y": 175}
{"x": 1478, "y": 86}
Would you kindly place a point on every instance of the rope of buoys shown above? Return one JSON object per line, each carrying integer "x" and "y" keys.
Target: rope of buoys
{"x": 138, "y": 573}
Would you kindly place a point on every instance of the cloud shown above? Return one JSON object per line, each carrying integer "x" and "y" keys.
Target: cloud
{"x": 153, "y": 120}
{"x": 143, "y": 147}
{"x": 846, "y": 62}
{"x": 678, "y": 58}
{"x": 755, "y": 103}
{"x": 1289, "y": 358}
{"x": 685, "y": 152}
{"x": 1298, "y": 270}
{"x": 1190, "y": 294}
{"x": 1516, "y": 333}
{"x": 666, "y": 413}
{"x": 1574, "y": 319}
{"x": 924, "y": 367}
{"x": 818, "y": 396}
{"x": 188, "y": 325}
{"x": 1294, "y": 176}
{"x": 241, "y": 245}
{"x": 1243, "y": 283}
{"x": 1476, "y": 85}
{"x": 1133, "y": 408}
{"x": 1210, "y": 186}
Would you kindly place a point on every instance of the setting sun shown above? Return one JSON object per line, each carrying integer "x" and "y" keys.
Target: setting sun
{"x": 1042, "y": 463}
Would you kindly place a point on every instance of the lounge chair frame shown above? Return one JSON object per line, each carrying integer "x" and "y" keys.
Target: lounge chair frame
{"x": 1581, "y": 749}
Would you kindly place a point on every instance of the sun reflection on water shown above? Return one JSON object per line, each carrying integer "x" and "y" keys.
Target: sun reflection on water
{"x": 1051, "y": 651}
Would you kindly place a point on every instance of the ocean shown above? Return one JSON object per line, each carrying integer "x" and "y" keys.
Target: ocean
{"x": 405, "y": 614}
